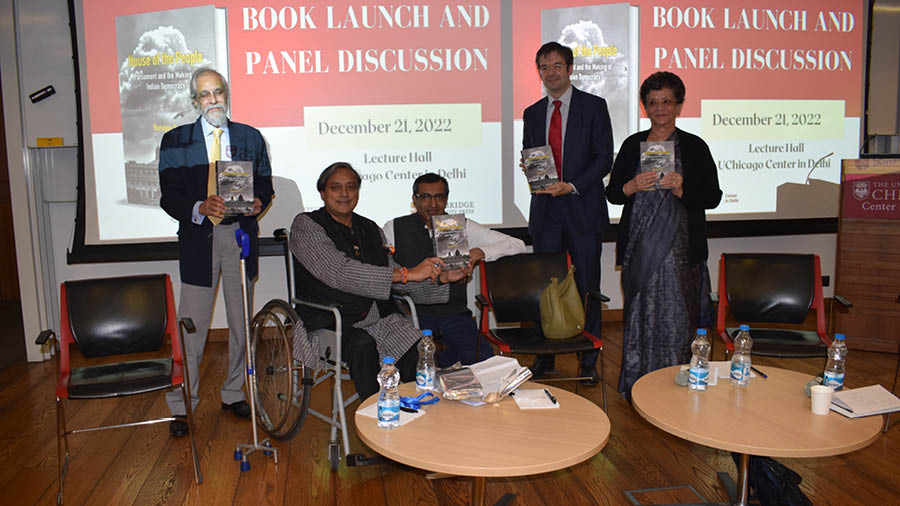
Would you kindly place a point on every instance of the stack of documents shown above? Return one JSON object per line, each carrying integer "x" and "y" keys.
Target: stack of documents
{"x": 865, "y": 401}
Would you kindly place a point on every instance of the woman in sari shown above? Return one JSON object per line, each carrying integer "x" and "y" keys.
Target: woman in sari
{"x": 661, "y": 244}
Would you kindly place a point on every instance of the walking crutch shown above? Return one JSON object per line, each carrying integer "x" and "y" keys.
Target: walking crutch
{"x": 243, "y": 450}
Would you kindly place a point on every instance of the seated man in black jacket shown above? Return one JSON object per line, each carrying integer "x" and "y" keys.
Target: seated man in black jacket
{"x": 411, "y": 237}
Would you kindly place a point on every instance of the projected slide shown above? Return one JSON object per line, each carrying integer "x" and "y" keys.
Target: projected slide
{"x": 399, "y": 89}
{"x": 774, "y": 88}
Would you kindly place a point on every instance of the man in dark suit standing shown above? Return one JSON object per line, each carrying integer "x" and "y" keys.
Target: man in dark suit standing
{"x": 206, "y": 237}
{"x": 570, "y": 215}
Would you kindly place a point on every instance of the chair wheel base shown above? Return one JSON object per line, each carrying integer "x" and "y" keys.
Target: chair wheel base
{"x": 238, "y": 455}
{"x": 245, "y": 466}
{"x": 358, "y": 459}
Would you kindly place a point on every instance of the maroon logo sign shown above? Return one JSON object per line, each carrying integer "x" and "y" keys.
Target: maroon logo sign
{"x": 861, "y": 190}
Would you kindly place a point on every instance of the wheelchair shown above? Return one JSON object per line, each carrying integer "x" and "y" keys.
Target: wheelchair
{"x": 289, "y": 363}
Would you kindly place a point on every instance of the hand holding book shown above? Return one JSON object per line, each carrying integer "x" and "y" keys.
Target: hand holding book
{"x": 429, "y": 268}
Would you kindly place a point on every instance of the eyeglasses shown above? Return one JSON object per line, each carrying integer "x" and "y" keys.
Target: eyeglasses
{"x": 218, "y": 92}
{"x": 666, "y": 102}
{"x": 439, "y": 197}
{"x": 556, "y": 67}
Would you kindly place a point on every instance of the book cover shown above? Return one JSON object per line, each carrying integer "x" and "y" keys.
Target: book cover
{"x": 659, "y": 157}
{"x": 234, "y": 183}
{"x": 157, "y": 53}
{"x": 540, "y": 168}
{"x": 451, "y": 242}
{"x": 605, "y": 43}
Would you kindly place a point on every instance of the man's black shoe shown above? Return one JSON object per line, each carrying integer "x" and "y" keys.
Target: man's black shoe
{"x": 239, "y": 409}
{"x": 540, "y": 367}
{"x": 590, "y": 371}
{"x": 179, "y": 426}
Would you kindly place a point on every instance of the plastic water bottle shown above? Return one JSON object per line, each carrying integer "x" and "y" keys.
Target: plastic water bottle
{"x": 425, "y": 368}
{"x": 834, "y": 368}
{"x": 740, "y": 359}
{"x": 699, "y": 372}
{"x": 389, "y": 396}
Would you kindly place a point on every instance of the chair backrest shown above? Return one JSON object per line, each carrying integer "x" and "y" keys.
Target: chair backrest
{"x": 111, "y": 316}
{"x": 771, "y": 287}
{"x": 514, "y": 284}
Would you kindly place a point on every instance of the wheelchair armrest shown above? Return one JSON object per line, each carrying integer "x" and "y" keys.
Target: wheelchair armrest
{"x": 844, "y": 301}
{"x": 325, "y": 306}
{"x": 334, "y": 308}
{"x": 188, "y": 325}
{"x": 481, "y": 301}
{"x": 714, "y": 296}
{"x": 596, "y": 295}
{"x": 44, "y": 336}
{"x": 410, "y": 311}
{"x": 280, "y": 234}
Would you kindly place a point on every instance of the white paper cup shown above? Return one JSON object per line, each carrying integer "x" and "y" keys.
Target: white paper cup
{"x": 821, "y": 399}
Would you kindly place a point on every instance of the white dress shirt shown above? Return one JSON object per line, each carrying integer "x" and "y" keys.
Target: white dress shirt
{"x": 494, "y": 244}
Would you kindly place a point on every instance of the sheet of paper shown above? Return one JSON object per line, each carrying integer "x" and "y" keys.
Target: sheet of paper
{"x": 372, "y": 412}
{"x": 534, "y": 399}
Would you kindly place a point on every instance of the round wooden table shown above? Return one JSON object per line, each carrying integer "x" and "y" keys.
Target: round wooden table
{"x": 493, "y": 439}
{"x": 770, "y": 417}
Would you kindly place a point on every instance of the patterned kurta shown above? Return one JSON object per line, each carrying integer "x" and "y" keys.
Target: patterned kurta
{"x": 393, "y": 334}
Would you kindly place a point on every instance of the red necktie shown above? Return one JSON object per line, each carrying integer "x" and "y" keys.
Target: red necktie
{"x": 556, "y": 137}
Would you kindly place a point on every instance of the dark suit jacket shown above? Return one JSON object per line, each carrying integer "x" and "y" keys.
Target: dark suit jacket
{"x": 700, "y": 189}
{"x": 183, "y": 177}
{"x": 587, "y": 159}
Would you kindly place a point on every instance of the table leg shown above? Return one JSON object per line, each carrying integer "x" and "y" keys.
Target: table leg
{"x": 738, "y": 494}
{"x": 478, "y": 484}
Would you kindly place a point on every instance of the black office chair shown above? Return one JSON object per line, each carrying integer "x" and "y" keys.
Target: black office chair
{"x": 511, "y": 287}
{"x": 117, "y": 317}
{"x": 780, "y": 288}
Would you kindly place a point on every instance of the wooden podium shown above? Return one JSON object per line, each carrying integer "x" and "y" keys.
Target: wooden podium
{"x": 867, "y": 269}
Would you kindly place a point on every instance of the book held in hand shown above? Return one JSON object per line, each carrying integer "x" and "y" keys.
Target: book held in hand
{"x": 234, "y": 183}
{"x": 659, "y": 157}
{"x": 540, "y": 169}
{"x": 451, "y": 242}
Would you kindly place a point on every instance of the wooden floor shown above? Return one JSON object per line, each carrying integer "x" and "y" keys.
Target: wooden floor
{"x": 146, "y": 466}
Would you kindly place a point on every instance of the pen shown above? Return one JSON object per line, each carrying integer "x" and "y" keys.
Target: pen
{"x": 550, "y": 396}
{"x": 757, "y": 371}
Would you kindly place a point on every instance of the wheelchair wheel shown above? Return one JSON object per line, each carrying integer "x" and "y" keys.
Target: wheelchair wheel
{"x": 282, "y": 395}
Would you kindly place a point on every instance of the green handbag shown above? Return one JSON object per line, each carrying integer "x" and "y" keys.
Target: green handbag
{"x": 562, "y": 314}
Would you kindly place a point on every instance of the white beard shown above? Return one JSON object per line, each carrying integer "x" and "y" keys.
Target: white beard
{"x": 216, "y": 115}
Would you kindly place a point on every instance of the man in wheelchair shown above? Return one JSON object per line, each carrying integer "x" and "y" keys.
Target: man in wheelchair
{"x": 343, "y": 260}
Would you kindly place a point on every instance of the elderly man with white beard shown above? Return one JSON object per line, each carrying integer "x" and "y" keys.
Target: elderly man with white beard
{"x": 206, "y": 241}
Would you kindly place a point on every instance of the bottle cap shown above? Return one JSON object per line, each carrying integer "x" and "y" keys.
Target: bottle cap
{"x": 701, "y": 332}
{"x": 388, "y": 360}
{"x": 426, "y": 332}
{"x": 839, "y": 337}
{"x": 745, "y": 327}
